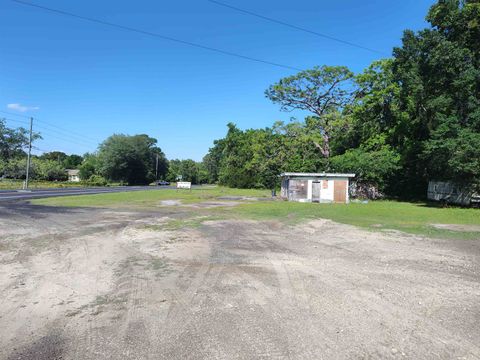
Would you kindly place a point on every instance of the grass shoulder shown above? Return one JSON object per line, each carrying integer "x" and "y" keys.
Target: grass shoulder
{"x": 414, "y": 218}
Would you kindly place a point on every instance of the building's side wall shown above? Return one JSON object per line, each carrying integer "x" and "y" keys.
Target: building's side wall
{"x": 74, "y": 178}
{"x": 284, "y": 189}
{"x": 449, "y": 192}
{"x": 347, "y": 191}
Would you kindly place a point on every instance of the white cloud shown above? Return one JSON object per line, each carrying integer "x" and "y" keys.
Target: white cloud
{"x": 22, "y": 108}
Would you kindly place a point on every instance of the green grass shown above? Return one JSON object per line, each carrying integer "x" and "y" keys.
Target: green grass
{"x": 10, "y": 184}
{"x": 148, "y": 198}
{"x": 413, "y": 218}
{"x": 14, "y": 184}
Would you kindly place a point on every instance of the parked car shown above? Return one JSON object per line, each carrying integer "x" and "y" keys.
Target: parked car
{"x": 162, "y": 183}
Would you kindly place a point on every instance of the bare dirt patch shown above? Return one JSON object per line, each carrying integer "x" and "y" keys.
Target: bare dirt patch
{"x": 457, "y": 227}
{"x": 102, "y": 284}
{"x": 214, "y": 204}
{"x": 171, "y": 202}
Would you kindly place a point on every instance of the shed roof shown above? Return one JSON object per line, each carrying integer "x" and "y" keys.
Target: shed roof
{"x": 73, "y": 172}
{"x": 294, "y": 174}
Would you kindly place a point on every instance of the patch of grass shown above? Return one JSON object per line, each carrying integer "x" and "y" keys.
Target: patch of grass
{"x": 13, "y": 184}
{"x": 148, "y": 198}
{"x": 414, "y": 218}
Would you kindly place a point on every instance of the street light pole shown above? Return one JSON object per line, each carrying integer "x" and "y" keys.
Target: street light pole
{"x": 27, "y": 173}
{"x": 156, "y": 170}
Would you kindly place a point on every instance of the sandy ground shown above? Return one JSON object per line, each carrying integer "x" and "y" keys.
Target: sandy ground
{"x": 104, "y": 284}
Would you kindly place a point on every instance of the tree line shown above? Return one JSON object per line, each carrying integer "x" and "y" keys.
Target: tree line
{"x": 401, "y": 122}
{"x": 49, "y": 166}
{"x": 124, "y": 159}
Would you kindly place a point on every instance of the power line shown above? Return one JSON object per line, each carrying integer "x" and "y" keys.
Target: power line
{"x": 14, "y": 120}
{"x": 156, "y": 35}
{"x": 84, "y": 145}
{"x": 63, "y": 137}
{"x": 40, "y": 149}
{"x": 63, "y": 132}
{"x": 43, "y": 128}
{"x": 49, "y": 125}
{"x": 66, "y": 137}
{"x": 13, "y": 114}
{"x": 325, "y": 36}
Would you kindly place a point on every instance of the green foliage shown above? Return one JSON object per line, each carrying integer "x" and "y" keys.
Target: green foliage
{"x": 54, "y": 156}
{"x": 399, "y": 124}
{"x": 15, "y": 184}
{"x": 211, "y": 161}
{"x": 375, "y": 167}
{"x": 40, "y": 169}
{"x": 67, "y": 161}
{"x": 323, "y": 91}
{"x": 255, "y": 158}
{"x": 14, "y": 168}
{"x": 96, "y": 180}
{"x": 320, "y": 90}
{"x": 187, "y": 170}
{"x": 131, "y": 159}
{"x": 72, "y": 161}
{"x": 89, "y": 166}
{"x": 439, "y": 73}
{"x": 13, "y": 141}
{"x": 49, "y": 170}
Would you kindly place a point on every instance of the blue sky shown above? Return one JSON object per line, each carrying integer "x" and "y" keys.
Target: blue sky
{"x": 86, "y": 81}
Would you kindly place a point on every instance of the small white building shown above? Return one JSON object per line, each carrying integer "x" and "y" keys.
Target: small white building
{"x": 316, "y": 187}
{"x": 73, "y": 175}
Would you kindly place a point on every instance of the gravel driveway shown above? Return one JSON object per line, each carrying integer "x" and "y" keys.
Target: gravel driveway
{"x": 105, "y": 284}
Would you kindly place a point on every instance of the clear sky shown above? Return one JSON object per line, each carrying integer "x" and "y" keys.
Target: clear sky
{"x": 86, "y": 81}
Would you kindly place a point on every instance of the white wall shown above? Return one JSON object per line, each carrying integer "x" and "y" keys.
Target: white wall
{"x": 326, "y": 195}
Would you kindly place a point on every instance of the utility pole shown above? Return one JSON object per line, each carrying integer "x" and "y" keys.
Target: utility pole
{"x": 25, "y": 184}
{"x": 156, "y": 169}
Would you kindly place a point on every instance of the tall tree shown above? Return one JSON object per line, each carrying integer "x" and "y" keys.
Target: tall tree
{"x": 439, "y": 72}
{"x": 130, "y": 159}
{"x": 58, "y": 156}
{"x": 73, "y": 161}
{"x": 212, "y": 160}
{"x": 324, "y": 91}
{"x": 13, "y": 141}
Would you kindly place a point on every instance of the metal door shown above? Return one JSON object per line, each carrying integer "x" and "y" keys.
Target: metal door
{"x": 316, "y": 191}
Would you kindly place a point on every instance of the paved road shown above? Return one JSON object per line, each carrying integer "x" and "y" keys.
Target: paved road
{"x": 9, "y": 195}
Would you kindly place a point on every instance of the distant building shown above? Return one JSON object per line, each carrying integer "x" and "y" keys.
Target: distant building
{"x": 73, "y": 175}
{"x": 452, "y": 193}
{"x": 316, "y": 187}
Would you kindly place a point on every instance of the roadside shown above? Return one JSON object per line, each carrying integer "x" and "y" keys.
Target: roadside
{"x": 413, "y": 218}
{"x": 11, "y": 195}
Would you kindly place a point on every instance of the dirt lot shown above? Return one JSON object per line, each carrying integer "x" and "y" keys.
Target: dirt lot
{"x": 106, "y": 284}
